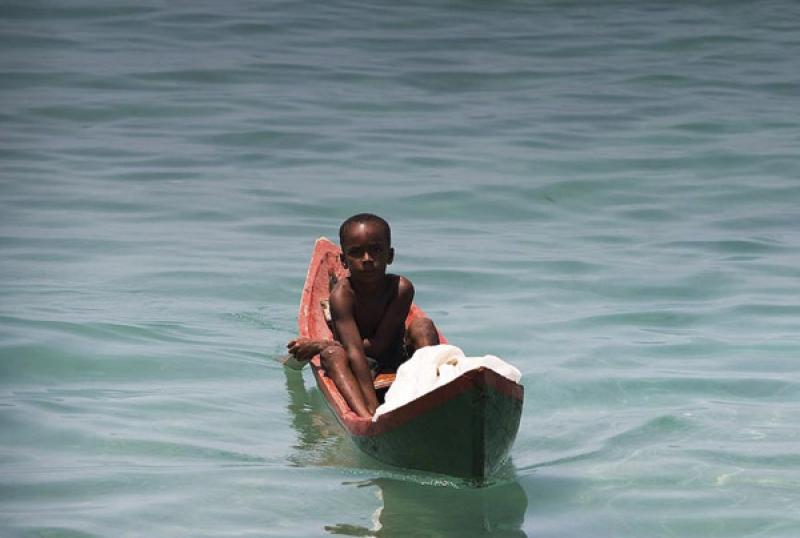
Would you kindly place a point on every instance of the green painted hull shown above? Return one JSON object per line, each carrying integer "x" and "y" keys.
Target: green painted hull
{"x": 468, "y": 435}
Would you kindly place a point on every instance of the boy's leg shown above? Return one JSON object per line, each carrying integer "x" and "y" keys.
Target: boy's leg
{"x": 420, "y": 333}
{"x": 365, "y": 378}
{"x": 336, "y": 363}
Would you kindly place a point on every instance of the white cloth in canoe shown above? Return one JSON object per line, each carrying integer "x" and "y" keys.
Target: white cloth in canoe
{"x": 434, "y": 366}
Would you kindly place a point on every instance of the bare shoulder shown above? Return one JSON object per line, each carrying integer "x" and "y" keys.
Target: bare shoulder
{"x": 342, "y": 294}
{"x": 405, "y": 289}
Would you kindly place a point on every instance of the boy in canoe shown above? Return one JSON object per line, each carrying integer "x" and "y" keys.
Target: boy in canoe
{"x": 369, "y": 309}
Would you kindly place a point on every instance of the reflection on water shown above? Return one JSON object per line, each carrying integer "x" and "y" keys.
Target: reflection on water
{"x": 412, "y": 509}
{"x": 409, "y": 507}
{"x": 320, "y": 439}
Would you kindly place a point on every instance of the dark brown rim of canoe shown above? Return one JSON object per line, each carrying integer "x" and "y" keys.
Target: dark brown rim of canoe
{"x": 325, "y": 265}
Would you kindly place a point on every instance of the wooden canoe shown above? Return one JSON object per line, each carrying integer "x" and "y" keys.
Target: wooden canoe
{"x": 464, "y": 428}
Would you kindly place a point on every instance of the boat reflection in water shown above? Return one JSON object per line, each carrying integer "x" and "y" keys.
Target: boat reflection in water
{"x": 409, "y": 508}
{"x": 413, "y": 509}
{"x": 320, "y": 439}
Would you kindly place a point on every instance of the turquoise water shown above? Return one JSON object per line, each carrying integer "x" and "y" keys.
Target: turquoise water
{"x": 607, "y": 196}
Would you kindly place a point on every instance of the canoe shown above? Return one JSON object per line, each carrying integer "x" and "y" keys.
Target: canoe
{"x": 464, "y": 428}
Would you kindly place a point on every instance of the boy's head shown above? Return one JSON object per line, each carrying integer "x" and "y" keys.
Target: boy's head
{"x": 365, "y": 218}
{"x": 366, "y": 242}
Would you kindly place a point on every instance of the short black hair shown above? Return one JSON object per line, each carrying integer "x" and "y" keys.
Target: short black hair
{"x": 364, "y": 218}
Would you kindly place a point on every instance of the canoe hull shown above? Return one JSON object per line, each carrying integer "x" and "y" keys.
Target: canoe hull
{"x": 467, "y": 432}
{"x": 464, "y": 428}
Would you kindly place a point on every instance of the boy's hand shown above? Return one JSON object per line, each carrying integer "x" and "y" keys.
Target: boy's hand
{"x": 304, "y": 349}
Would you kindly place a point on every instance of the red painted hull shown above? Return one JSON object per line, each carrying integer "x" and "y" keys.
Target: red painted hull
{"x": 464, "y": 429}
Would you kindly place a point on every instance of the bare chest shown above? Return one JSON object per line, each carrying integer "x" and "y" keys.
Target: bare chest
{"x": 371, "y": 308}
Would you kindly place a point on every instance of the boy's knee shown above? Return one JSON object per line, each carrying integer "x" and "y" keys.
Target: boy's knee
{"x": 421, "y": 325}
{"x": 333, "y": 356}
{"x": 422, "y": 332}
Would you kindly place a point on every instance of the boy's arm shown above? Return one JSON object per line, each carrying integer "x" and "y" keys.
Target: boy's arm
{"x": 393, "y": 319}
{"x": 342, "y": 312}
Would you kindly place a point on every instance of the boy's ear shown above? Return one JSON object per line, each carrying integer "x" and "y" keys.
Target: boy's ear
{"x": 391, "y": 257}
{"x": 343, "y": 260}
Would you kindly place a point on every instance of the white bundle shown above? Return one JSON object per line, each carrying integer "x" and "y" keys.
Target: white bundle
{"x": 434, "y": 366}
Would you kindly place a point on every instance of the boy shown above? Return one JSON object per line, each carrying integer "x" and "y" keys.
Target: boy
{"x": 369, "y": 310}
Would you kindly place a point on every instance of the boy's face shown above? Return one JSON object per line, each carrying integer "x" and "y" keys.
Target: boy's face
{"x": 366, "y": 251}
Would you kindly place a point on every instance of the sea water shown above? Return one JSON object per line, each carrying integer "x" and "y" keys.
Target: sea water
{"x": 606, "y": 195}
